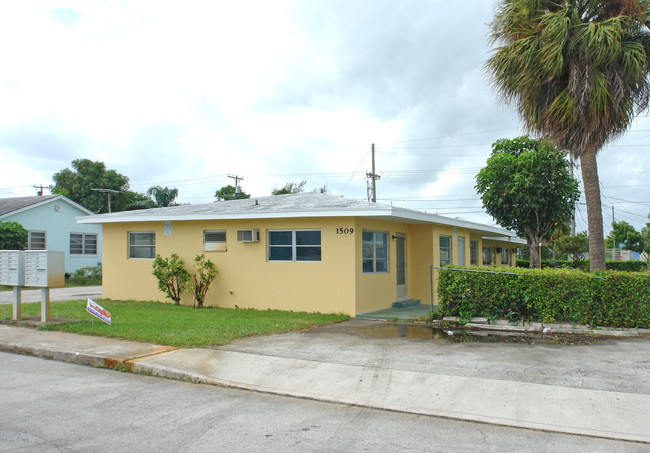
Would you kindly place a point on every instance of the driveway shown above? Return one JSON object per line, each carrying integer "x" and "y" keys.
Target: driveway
{"x": 610, "y": 364}
{"x": 56, "y": 294}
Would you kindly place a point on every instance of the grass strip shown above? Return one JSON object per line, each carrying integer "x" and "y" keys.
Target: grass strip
{"x": 175, "y": 325}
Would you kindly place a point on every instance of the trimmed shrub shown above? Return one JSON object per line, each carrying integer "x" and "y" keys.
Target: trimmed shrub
{"x": 622, "y": 266}
{"x": 610, "y": 298}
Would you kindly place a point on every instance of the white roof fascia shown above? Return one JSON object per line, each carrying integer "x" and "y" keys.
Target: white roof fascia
{"x": 50, "y": 200}
{"x": 513, "y": 240}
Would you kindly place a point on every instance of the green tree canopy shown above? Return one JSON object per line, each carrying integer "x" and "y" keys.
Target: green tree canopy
{"x": 577, "y": 247}
{"x": 77, "y": 184}
{"x": 229, "y": 192}
{"x": 13, "y": 236}
{"x": 527, "y": 188}
{"x": 290, "y": 187}
{"x": 163, "y": 196}
{"x": 626, "y": 236}
{"x": 645, "y": 233}
{"x": 577, "y": 72}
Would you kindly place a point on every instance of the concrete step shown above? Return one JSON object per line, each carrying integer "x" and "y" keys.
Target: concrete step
{"x": 406, "y": 303}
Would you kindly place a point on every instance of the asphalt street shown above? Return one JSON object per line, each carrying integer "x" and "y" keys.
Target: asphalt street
{"x": 57, "y": 406}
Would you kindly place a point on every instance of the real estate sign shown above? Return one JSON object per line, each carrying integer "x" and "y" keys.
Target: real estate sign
{"x": 99, "y": 312}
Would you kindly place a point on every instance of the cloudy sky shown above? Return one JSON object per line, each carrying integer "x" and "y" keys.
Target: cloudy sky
{"x": 183, "y": 94}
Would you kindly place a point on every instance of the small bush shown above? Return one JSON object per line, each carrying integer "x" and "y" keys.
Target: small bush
{"x": 89, "y": 275}
{"x": 205, "y": 273}
{"x": 613, "y": 299}
{"x": 172, "y": 276}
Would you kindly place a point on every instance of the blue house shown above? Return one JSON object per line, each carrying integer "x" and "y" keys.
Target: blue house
{"x": 51, "y": 223}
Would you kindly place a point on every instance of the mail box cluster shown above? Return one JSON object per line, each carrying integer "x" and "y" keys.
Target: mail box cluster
{"x": 42, "y": 268}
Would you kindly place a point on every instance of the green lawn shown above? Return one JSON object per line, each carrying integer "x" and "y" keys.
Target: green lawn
{"x": 175, "y": 325}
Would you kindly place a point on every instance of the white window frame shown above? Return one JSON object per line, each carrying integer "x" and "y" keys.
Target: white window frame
{"x": 214, "y": 245}
{"x": 130, "y": 246}
{"x": 490, "y": 253}
{"x": 473, "y": 256}
{"x": 374, "y": 259}
{"x": 505, "y": 256}
{"x": 293, "y": 246}
{"x": 30, "y": 241}
{"x": 84, "y": 251}
{"x": 448, "y": 249}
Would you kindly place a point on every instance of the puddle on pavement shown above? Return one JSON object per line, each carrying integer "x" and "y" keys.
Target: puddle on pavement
{"x": 458, "y": 335}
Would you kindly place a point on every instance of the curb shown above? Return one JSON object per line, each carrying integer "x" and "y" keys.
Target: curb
{"x": 536, "y": 327}
{"x": 64, "y": 356}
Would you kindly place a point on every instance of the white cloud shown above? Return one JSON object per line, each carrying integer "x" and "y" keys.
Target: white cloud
{"x": 184, "y": 94}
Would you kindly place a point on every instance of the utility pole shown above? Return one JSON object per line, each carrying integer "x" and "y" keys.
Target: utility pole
{"x": 109, "y": 192}
{"x": 373, "y": 177}
{"x": 237, "y": 188}
{"x": 39, "y": 189}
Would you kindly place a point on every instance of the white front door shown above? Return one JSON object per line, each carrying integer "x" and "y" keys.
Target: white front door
{"x": 400, "y": 262}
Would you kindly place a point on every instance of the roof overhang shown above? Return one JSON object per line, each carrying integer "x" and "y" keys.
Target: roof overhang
{"x": 379, "y": 212}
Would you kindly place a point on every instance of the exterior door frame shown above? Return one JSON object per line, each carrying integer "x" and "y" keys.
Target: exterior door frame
{"x": 400, "y": 267}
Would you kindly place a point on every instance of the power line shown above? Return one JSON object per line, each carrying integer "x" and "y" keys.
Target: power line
{"x": 455, "y": 135}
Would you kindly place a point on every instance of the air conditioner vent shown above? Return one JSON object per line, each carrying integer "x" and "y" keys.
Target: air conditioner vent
{"x": 248, "y": 235}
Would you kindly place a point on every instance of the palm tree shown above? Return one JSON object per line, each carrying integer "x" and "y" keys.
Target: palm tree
{"x": 577, "y": 71}
{"x": 164, "y": 196}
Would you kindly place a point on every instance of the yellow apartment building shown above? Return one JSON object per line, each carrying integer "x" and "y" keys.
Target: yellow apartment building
{"x": 303, "y": 252}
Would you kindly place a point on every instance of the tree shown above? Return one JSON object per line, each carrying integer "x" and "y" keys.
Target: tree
{"x": 290, "y": 187}
{"x": 77, "y": 184}
{"x": 163, "y": 196}
{"x": 205, "y": 273}
{"x": 13, "y": 236}
{"x": 229, "y": 192}
{"x": 146, "y": 203}
{"x": 577, "y": 247}
{"x": 625, "y": 235}
{"x": 172, "y": 276}
{"x": 577, "y": 72}
{"x": 645, "y": 233}
{"x": 527, "y": 188}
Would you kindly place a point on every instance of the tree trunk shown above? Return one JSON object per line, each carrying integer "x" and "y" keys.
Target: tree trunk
{"x": 533, "y": 247}
{"x": 594, "y": 211}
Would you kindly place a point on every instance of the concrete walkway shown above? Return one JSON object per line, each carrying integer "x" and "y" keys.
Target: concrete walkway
{"x": 56, "y": 294}
{"x": 341, "y": 364}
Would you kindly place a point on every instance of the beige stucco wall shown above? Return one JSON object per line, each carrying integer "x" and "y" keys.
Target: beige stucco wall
{"x": 246, "y": 278}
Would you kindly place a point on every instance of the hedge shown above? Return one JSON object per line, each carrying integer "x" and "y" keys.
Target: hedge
{"x": 615, "y": 299}
{"x": 623, "y": 266}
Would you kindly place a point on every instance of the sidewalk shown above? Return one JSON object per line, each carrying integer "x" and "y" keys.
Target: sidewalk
{"x": 376, "y": 382}
{"x": 56, "y": 294}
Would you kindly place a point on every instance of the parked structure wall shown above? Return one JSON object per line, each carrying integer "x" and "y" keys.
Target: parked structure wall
{"x": 57, "y": 219}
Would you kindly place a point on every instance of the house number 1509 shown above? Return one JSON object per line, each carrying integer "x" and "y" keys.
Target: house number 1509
{"x": 344, "y": 230}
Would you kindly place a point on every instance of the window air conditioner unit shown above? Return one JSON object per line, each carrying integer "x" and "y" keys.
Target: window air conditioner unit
{"x": 248, "y": 235}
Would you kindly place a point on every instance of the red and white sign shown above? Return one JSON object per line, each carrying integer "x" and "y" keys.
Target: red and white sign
{"x": 97, "y": 311}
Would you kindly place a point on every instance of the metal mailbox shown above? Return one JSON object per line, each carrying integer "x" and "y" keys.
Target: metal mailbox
{"x": 12, "y": 267}
{"x": 44, "y": 268}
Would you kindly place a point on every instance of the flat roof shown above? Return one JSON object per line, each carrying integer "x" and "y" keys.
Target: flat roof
{"x": 302, "y": 205}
